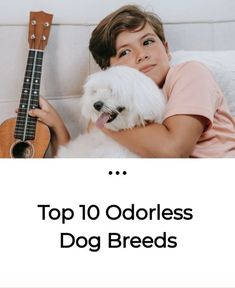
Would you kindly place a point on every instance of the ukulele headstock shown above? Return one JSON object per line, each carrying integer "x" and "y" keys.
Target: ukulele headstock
{"x": 39, "y": 29}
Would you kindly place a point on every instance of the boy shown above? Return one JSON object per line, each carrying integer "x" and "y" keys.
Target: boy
{"x": 197, "y": 122}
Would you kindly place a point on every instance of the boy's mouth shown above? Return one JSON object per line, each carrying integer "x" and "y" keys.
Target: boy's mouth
{"x": 147, "y": 68}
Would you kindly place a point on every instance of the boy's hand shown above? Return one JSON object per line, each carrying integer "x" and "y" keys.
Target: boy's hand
{"x": 48, "y": 115}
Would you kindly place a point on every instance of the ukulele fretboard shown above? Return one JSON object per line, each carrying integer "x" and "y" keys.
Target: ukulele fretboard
{"x": 25, "y": 124}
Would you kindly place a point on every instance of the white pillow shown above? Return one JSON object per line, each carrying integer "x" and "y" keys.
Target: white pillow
{"x": 222, "y": 66}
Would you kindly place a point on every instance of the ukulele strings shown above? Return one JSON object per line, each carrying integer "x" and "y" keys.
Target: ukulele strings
{"x": 34, "y": 80}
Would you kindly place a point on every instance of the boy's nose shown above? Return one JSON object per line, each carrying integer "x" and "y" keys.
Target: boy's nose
{"x": 98, "y": 105}
{"x": 142, "y": 57}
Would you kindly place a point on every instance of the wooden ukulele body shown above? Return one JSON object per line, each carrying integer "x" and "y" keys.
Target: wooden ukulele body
{"x": 15, "y": 148}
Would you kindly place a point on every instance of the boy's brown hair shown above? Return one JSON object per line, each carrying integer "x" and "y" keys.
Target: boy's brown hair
{"x": 127, "y": 18}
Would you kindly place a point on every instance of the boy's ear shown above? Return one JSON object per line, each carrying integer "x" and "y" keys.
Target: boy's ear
{"x": 167, "y": 50}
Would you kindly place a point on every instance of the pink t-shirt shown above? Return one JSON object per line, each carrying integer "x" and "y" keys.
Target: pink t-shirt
{"x": 191, "y": 90}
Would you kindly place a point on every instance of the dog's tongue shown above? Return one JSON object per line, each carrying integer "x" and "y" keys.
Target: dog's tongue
{"x": 100, "y": 122}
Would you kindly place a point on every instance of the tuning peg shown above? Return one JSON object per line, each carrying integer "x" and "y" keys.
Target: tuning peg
{"x": 44, "y": 37}
{"x": 32, "y": 36}
{"x": 46, "y": 24}
{"x": 34, "y": 22}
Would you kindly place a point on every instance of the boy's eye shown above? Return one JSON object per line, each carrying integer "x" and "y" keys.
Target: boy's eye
{"x": 148, "y": 42}
{"x": 123, "y": 53}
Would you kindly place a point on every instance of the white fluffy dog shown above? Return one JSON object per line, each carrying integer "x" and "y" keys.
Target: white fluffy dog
{"x": 117, "y": 98}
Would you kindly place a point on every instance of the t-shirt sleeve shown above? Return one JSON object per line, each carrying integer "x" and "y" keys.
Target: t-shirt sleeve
{"x": 191, "y": 90}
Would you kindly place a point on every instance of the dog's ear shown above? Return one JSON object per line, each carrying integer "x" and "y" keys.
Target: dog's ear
{"x": 144, "y": 110}
{"x": 149, "y": 102}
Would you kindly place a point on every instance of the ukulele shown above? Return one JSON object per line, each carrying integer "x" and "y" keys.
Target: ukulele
{"x": 24, "y": 136}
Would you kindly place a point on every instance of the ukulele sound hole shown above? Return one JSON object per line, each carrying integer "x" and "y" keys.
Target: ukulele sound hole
{"x": 22, "y": 150}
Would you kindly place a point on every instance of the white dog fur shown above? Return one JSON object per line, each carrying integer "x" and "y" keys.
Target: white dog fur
{"x": 119, "y": 92}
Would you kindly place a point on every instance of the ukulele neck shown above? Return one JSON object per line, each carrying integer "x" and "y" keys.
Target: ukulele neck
{"x": 25, "y": 124}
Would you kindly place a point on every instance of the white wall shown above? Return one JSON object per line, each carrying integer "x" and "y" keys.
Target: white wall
{"x": 189, "y": 25}
{"x": 92, "y": 11}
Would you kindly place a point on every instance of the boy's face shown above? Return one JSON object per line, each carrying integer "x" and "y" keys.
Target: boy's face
{"x": 144, "y": 51}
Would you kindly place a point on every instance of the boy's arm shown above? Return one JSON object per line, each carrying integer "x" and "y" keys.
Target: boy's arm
{"x": 176, "y": 137}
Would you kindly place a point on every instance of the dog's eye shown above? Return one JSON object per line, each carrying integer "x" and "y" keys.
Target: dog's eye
{"x": 120, "y": 109}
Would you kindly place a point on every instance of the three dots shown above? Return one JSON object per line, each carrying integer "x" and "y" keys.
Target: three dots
{"x": 117, "y": 172}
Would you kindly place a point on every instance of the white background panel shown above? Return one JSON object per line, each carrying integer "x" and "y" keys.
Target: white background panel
{"x": 30, "y": 247}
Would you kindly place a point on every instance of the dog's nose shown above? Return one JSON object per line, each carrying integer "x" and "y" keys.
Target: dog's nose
{"x": 98, "y": 105}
